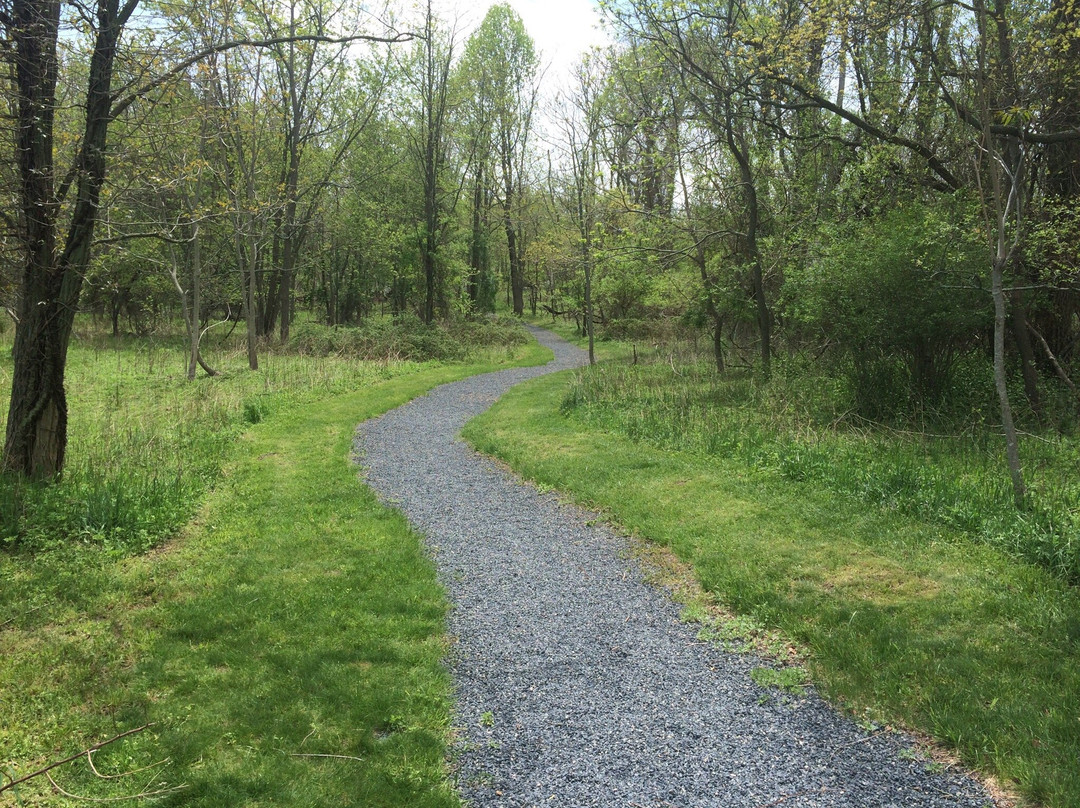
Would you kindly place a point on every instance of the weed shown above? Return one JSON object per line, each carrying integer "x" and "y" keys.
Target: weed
{"x": 789, "y": 680}
{"x": 794, "y": 427}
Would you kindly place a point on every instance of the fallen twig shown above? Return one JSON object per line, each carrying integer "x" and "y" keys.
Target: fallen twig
{"x": 93, "y": 768}
{"x": 139, "y": 796}
{"x": 857, "y": 741}
{"x": 318, "y": 755}
{"x": 52, "y": 766}
{"x": 11, "y": 620}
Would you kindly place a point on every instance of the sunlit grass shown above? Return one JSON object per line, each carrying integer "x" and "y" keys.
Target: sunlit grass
{"x": 145, "y": 444}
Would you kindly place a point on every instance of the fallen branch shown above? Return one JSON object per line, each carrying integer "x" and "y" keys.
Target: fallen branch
{"x": 93, "y": 768}
{"x": 1060, "y": 371}
{"x": 76, "y": 756}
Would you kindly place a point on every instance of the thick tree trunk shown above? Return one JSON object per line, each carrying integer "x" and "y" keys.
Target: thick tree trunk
{"x": 36, "y": 438}
{"x": 753, "y": 218}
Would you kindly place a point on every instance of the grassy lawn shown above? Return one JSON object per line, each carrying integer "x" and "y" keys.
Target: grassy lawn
{"x": 903, "y": 621}
{"x": 285, "y": 648}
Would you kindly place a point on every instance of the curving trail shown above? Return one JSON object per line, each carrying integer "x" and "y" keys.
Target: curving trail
{"x": 576, "y": 683}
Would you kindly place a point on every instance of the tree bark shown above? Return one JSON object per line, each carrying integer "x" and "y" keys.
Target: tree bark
{"x": 36, "y": 438}
{"x": 751, "y": 205}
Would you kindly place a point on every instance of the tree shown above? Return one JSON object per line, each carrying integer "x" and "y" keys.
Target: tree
{"x": 59, "y": 208}
{"x": 580, "y": 126}
{"x": 502, "y": 60}
{"x": 55, "y": 256}
{"x": 428, "y": 103}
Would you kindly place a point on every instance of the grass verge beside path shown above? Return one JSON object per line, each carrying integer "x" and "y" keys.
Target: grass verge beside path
{"x": 904, "y": 623}
{"x": 286, "y": 649}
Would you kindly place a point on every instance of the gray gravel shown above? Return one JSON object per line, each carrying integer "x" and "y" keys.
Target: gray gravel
{"x": 576, "y": 682}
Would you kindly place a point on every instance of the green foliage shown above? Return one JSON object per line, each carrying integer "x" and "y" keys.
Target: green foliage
{"x": 793, "y": 426}
{"x": 899, "y": 296}
{"x": 649, "y": 330}
{"x": 406, "y": 337}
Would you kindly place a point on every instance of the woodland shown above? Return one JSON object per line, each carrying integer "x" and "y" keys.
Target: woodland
{"x": 837, "y": 242}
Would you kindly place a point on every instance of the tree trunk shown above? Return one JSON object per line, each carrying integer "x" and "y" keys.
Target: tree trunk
{"x": 1012, "y": 449}
{"x": 36, "y": 438}
{"x": 587, "y": 256}
{"x": 245, "y": 259}
{"x": 194, "y": 316}
{"x": 753, "y": 217}
{"x": 517, "y": 277}
{"x": 475, "y": 247}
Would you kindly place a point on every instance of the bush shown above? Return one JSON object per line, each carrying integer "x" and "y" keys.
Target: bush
{"x": 405, "y": 337}
{"x": 899, "y": 296}
{"x": 655, "y": 330}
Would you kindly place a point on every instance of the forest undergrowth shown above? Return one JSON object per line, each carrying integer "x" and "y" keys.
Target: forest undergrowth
{"x": 944, "y": 469}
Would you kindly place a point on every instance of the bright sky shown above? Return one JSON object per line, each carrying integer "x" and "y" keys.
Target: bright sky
{"x": 561, "y": 29}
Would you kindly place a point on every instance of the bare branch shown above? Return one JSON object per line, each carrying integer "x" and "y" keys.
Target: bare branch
{"x": 123, "y": 103}
{"x": 141, "y": 795}
{"x": 1058, "y": 369}
{"x": 77, "y": 755}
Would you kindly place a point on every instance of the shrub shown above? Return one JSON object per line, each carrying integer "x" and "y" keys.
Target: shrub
{"x": 899, "y": 296}
{"x": 405, "y": 337}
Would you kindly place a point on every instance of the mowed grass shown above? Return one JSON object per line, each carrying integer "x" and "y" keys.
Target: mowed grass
{"x": 285, "y": 649}
{"x": 904, "y": 622}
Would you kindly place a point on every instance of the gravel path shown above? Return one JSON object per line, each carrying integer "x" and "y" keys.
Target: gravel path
{"x": 577, "y": 685}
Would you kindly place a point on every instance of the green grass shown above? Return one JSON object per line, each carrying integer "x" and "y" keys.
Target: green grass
{"x": 904, "y": 621}
{"x": 145, "y": 444}
{"x": 287, "y": 647}
{"x": 791, "y": 427}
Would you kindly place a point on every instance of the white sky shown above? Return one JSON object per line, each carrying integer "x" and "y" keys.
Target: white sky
{"x": 561, "y": 29}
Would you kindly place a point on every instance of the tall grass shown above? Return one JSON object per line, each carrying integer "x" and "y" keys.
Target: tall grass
{"x": 145, "y": 444}
{"x": 792, "y": 426}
